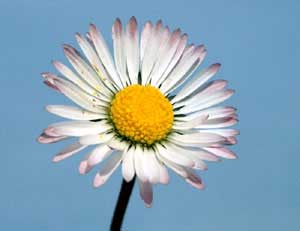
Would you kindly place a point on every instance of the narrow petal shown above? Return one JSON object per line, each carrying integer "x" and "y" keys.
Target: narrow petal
{"x": 76, "y": 128}
{"x": 146, "y": 192}
{"x": 218, "y": 123}
{"x": 167, "y": 53}
{"x": 163, "y": 174}
{"x": 194, "y": 154}
{"x": 79, "y": 97}
{"x": 194, "y": 180}
{"x": 145, "y": 35}
{"x": 128, "y": 170}
{"x": 139, "y": 164}
{"x": 94, "y": 60}
{"x": 84, "y": 167}
{"x": 132, "y": 50}
{"x": 98, "y": 154}
{"x": 68, "y": 151}
{"x": 212, "y": 112}
{"x": 75, "y": 79}
{"x": 186, "y": 173}
{"x": 209, "y": 101}
{"x": 183, "y": 69}
{"x": 49, "y": 80}
{"x": 198, "y": 138}
{"x": 74, "y": 113}
{"x": 95, "y": 139}
{"x": 151, "y": 167}
{"x": 177, "y": 55}
{"x": 86, "y": 72}
{"x": 104, "y": 54}
{"x": 175, "y": 157}
{"x": 190, "y": 124}
{"x": 46, "y": 139}
{"x": 119, "y": 52}
{"x": 222, "y": 152}
{"x": 150, "y": 53}
{"x": 117, "y": 144}
{"x": 178, "y": 169}
{"x": 221, "y": 132}
{"x": 197, "y": 82}
{"x": 209, "y": 89}
{"x": 164, "y": 38}
{"x": 108, "y": 169}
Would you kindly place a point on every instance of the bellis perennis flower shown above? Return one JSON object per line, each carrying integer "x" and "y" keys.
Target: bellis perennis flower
{"x": 142, "y": 109}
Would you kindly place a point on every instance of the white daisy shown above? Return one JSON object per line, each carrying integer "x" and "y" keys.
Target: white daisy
{"x": 142, "y": 109}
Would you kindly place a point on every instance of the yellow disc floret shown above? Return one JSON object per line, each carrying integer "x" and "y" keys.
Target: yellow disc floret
{"x": 142, "y": 114}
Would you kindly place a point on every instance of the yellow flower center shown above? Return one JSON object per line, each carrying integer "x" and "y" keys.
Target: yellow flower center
{"x": 142, "y": 114}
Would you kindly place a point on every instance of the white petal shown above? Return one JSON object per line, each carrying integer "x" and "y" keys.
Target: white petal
{"x": 68, "y": 151}
{"x": 74, "y": 113}
{"x": 108, "y": 169}
{"x": 195, "y": 154}
{"x": 94, "y": 60}
{"x": 76, "y": 128}
{"x": 116, "y": 144}
{"x": 145, "y": 35}
{"x": 84, "y": 167}
{"x": 132, "y": 50}
{"x": 197, "y": 82}
{"x": 151, "y": 167}
{"x": 49, "y": 80}
{"x": 185, "y": 173}
{"x": 146, "y": 192}
{"x": 119, "y": 53}
{"x": 218, "y": 123}
{"x": 74, "y": 78}
{"x": 139, "y": 164}
{"x": 194, "y": 180}
{"x": 221, "y": 132}
{"x": 164, "y": 38}
{"x": 150, "y": 53}
{"x": 183, "y": 69}
{"x": 95, "y": 139}
{"x": 209, "y": 89}
{"x": 104, "y": 54}
{"x": 98, "y": 154}
{"x": 46, "y": 139}
{"x": 204, "y": 138}
{"x": 165, "y": 57}
{"x": 190, "y": 124}
{"x": 163, "y": 174}
{"x": 206, "y": 102}
{"x": 79, "y": 97}
{"x": 213, "y": 113}
{"x": 173, "y": 156}
{"x": 175, "y": 167}
{"x": 128, "y": 171}
{"x": 84, "y": 69}
{"x": 175, "y": 58}
{"x": 222, "y": 152}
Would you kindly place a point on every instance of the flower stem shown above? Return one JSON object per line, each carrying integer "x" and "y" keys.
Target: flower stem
{"x": 121, "y": 205}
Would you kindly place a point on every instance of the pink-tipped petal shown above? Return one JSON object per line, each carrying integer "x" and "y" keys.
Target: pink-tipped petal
{"x": 146, "y": 192}
{"x": 108, "y": 169}
{"x": 68, "y": 152}
{"x": 46, "y": 139}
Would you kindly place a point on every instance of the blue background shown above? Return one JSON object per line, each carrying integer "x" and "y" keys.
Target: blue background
{"x": 257, "y": 41}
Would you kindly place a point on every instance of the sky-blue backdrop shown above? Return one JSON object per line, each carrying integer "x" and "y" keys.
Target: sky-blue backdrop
{"x": 257, "y": 41}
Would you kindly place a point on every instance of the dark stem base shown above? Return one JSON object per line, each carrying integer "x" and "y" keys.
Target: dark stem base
{"x": 121, "y": 205}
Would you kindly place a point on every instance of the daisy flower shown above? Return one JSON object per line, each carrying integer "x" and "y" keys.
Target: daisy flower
{"x": 143, "y": 108}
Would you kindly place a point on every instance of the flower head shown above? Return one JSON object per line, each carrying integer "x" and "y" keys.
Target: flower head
{"x": 144, "y": 109}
